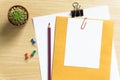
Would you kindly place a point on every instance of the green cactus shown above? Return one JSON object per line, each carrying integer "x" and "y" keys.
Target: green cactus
{"x": 17, "y": 16}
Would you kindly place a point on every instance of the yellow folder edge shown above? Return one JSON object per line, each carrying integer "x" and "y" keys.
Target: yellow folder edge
{"x": 61, "y": 72}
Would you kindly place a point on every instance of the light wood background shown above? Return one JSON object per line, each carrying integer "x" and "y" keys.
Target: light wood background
{"x": 15, "y": 41}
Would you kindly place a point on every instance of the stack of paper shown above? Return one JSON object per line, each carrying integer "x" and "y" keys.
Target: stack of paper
{"x": 40, "y": 25}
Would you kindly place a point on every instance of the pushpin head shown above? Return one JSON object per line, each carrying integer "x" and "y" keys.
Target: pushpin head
{"x": 26, "y": 55}
{"x": 33, "y": 53}
{"x": 33, "y": 41}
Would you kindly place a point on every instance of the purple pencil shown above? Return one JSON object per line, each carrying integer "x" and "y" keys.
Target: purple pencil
{"x": 49, "y": 52}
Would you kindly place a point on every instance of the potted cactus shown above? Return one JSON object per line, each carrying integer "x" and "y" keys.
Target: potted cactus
{"x": 18, "y": 15}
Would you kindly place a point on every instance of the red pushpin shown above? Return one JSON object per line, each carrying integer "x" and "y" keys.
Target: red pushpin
{"x": 26, "y": 55}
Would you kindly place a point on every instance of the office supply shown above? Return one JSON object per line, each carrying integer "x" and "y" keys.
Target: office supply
{"x": 41, "y": 32}
{"x": 26, "y": 56}
{"x": 33, "y": 53}
{"x": 77, "y": 11}
{"x": 49, "y": 52}
{"x": 82, "y": 67}
{"x": 33, "y": 41}
{"x": 84, "y": 23}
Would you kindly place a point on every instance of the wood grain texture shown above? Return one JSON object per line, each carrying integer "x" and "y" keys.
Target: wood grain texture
{"x": 15, "y": 41}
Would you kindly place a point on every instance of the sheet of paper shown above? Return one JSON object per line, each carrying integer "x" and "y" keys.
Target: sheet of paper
{"x": 40, "y": 25}
{"x": 83, "y": 46}
{"x": 114, "y": 73}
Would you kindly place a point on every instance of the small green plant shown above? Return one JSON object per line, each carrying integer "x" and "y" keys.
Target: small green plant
{"x": 18, "y": 15}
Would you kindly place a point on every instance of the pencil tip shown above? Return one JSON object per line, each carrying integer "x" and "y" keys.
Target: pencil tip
{"x": 49, "y": 24}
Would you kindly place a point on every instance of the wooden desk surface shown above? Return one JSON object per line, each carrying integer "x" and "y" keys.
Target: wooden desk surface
{"x": 15, "y": 41}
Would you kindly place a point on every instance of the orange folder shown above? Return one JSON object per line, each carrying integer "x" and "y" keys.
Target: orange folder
{"x": 61, "y": 72}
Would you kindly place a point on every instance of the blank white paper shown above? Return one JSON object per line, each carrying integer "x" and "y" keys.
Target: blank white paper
{"x": 83, "y": 46}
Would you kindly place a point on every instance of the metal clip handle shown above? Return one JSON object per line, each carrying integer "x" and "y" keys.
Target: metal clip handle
{"x": 76, "y": 5}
